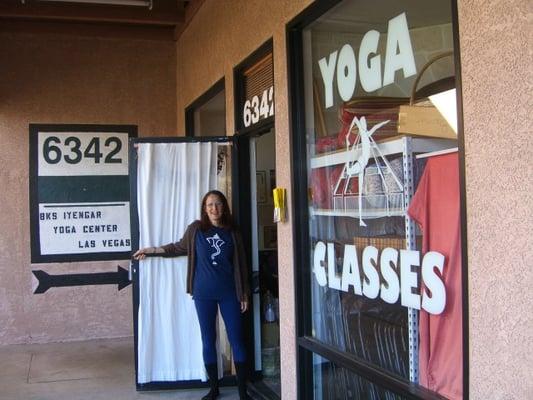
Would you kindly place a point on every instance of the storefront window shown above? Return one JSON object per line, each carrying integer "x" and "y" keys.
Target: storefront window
{"x": 207, "y": 115}
{"x": 383, "y": 221}
{"x": 333, "y": 382}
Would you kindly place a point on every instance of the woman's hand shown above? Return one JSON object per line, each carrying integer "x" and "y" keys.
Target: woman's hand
{"x": 244, "y": 306}
{"x": 141, "y": 253}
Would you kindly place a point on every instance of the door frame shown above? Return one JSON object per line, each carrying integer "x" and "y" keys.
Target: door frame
{"x": 134, "y": 264}
{"x": 242, "y": 207}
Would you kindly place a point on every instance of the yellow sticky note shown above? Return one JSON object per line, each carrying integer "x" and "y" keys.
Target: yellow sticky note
{"x": 279, "y": 195}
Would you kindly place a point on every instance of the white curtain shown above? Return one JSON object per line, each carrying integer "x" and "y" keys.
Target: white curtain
{"x": 171, "y": 180}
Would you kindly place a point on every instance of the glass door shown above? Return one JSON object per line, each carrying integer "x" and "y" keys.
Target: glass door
{"x": 265, "y": 261}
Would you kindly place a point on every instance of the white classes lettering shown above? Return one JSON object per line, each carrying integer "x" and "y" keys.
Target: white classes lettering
{"x": 392, "y": 275}
{"x": 434, "y": 296}
{"x": 350, "y": 271}
{"x": 390, "y": 287}
{"x": 371, "y": 283}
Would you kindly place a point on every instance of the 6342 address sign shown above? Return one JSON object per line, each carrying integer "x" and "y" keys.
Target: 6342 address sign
{"x": 257, "y": 108}
{"x": 80, "y": 192}
{"x": 53, "y": 153}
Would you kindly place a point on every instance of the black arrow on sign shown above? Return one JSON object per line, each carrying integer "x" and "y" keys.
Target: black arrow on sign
{"x": 46, "y": 281}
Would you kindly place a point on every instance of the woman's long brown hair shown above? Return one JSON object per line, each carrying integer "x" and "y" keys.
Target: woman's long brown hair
{"x": 226, "y": 220}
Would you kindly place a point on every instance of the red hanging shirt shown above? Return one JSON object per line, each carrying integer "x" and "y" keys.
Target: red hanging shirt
{"x": 436, "y": 208}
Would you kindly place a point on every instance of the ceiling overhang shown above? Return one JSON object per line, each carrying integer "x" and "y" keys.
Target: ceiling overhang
{"x": 163, "y": 13}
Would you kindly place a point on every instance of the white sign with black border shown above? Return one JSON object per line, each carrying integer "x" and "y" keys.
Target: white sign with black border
{"x": 79, "y": 192}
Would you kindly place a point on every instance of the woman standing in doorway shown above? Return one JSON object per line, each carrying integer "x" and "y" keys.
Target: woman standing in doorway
{"x": 217, "y": 277}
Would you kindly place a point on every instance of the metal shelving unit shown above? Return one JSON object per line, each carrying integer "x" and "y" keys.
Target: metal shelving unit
{"x": 407, "y": 147}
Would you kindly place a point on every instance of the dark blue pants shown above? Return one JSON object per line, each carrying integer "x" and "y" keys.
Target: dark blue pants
{"x": 231, "y": 313}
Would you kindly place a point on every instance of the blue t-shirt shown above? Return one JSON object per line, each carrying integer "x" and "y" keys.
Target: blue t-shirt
{"x": 213, "y": 276}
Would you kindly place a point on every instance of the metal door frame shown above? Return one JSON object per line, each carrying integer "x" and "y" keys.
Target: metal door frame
{"x": 134, "y": 265}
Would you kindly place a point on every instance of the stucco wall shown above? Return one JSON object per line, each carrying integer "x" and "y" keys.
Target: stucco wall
{"x": 218, "y": 39}
{"x": 94, "y": 77}
{"x": 496, "y": 57}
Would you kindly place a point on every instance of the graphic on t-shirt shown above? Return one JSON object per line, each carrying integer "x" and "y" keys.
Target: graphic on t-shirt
{"x": 216, "y": 242}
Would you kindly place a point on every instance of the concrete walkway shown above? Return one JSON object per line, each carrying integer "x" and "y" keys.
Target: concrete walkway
{"x": 90, "y": 370}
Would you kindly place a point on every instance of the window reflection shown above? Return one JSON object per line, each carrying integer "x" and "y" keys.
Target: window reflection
{"x": 332, "y": 382}
{"x": 371, "y": 73}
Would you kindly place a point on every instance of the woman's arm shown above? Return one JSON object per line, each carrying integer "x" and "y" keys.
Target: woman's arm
{"x": 147, "y": 251}
{"x": 179, "y": 248}
{"x": 176, "y": 249}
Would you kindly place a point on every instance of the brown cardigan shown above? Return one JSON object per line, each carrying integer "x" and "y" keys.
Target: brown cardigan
{"x": 185, "y": 247}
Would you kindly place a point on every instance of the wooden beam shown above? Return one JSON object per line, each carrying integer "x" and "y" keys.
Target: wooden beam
{"x": 92, "y": 29}
{"x": 164, "y": 13}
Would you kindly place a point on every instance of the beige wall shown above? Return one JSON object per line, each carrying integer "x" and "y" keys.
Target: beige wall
{"x": 496, "y": 57}
{"x": 94, "y": 77}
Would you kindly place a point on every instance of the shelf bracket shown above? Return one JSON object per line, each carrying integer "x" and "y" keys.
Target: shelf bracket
{"x": 410, "y": 240}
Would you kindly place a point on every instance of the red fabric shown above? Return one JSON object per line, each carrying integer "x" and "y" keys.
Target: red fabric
{"x": 323, "y": 181}
{"x": 436, "y": 208}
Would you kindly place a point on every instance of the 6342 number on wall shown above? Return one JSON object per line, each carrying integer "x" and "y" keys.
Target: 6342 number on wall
{"x": 256, "y": 109}
{"x": 86, "y": 154}
{"x": 52, "y": 153}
